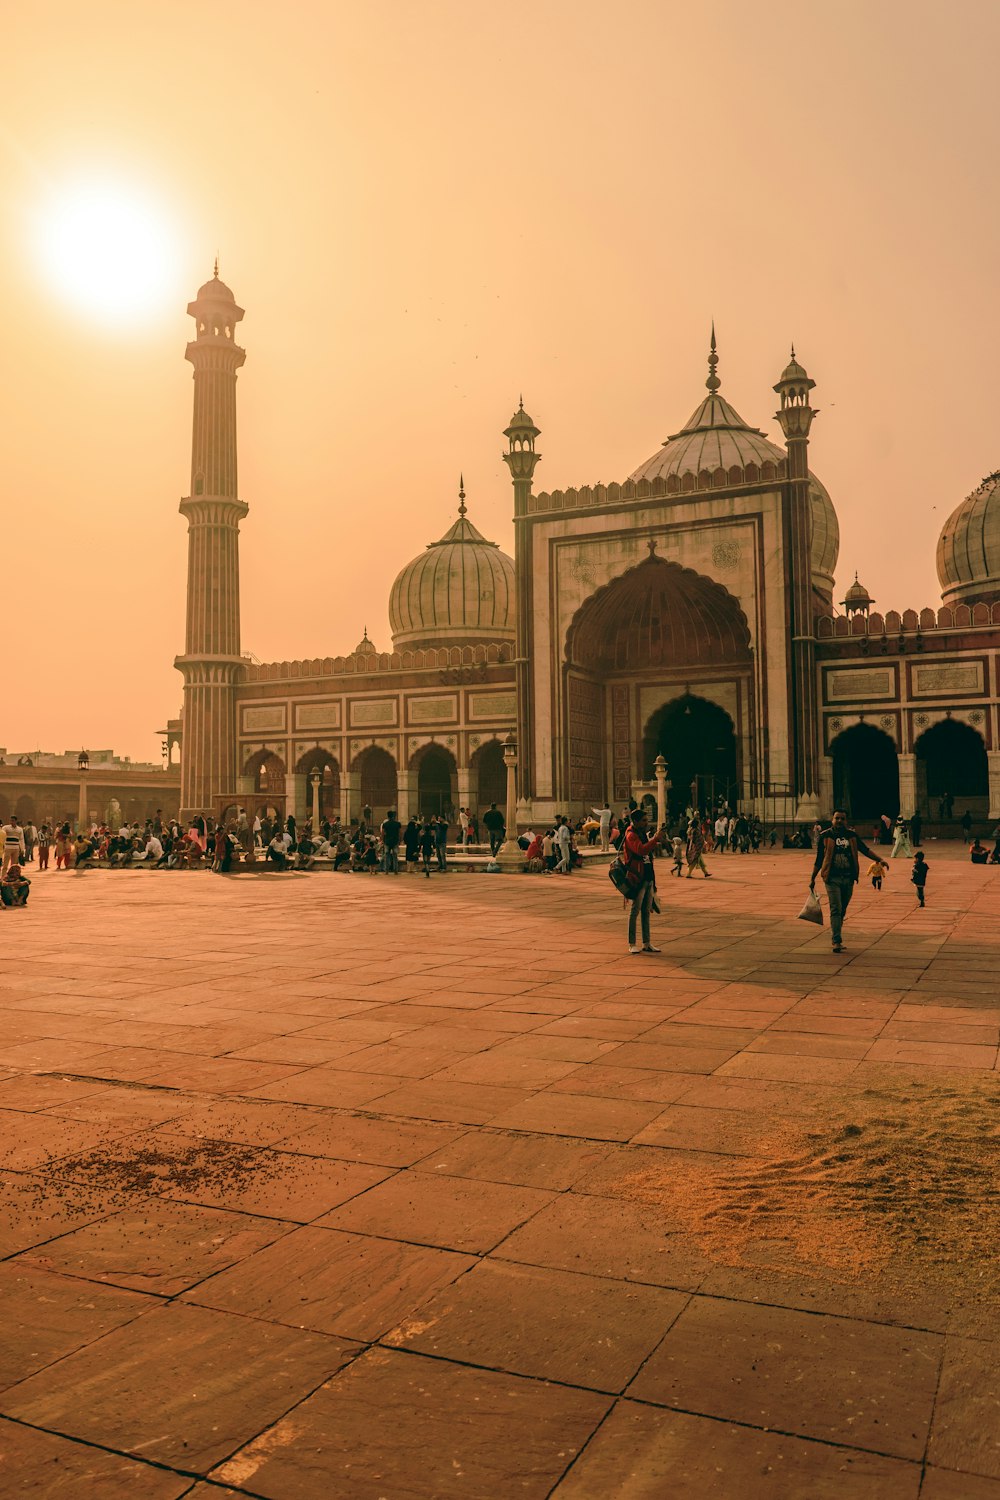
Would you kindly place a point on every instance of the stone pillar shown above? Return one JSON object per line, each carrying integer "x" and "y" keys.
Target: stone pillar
{"x": 510, "y": 857}
{"x": 468, "y": 787}
{"x": 826, "y": 791}
{"x": 350, "y": 796}
{"x": 993, "y": 761}
{"x": 660, "y": 768}
{"x": 406, "y": 795}
{"x": 907, "y": 785}
{"x": 82, "y": 814}
{"x": 295, "y": 796}
{"x": 521, "y": 460}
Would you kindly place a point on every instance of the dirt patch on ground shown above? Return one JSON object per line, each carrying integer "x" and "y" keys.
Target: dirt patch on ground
{"x": 905, "y": 1179}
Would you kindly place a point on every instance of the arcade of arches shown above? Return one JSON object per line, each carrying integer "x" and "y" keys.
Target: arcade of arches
{"x": 329, "y": 786}
{"x": 653, "y": 628}
{"x": 949, "y": 759}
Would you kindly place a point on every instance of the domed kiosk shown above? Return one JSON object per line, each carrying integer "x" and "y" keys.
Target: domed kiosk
{"x": 968, "y": 550}
{"x": 715, "y": 436}
{"x": 458, "y": 592}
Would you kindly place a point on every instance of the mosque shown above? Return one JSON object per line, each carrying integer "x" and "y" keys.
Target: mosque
{"x": 687, "y": 611}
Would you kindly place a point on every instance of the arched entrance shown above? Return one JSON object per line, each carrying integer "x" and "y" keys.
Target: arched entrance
{"x": 378, "y": 780}
{"x": 491, "y": 774}
{"x": 698, "y": 742}
{"x": 865, "y": 773}
{"x": 329, "y": 787}
{"x": 658, "y": 624}
{"x": 268, "y": 772}
{"x": 951, "y": 761}
{"x": 435, "y": 771}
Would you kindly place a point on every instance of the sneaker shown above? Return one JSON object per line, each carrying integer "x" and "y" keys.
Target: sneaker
{"x": 635, "y": 948}
{"x": 648, "y": 948}
{"x": 838, "y": 947}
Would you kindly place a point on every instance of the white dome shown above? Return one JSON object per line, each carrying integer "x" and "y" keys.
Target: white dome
{"x": 716, "y": 436}
{"x": 968, "y": 550}
{"x": 458, "y": 592}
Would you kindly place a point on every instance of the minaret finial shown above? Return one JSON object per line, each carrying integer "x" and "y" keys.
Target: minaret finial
{"x": 713, "y": 382}
{"x": 461, "y": 495}
{"x": 216, "y": 273}
{"x": 520, "y": 403}
{"x": 793, "y": 352}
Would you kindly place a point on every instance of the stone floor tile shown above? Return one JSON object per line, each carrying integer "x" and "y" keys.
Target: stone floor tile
{"x": 945, "y": 1484}
{"x": 543, "y": 1161}
{"x": 453, "y": 1213}
{"x": 529, "y": 1320}
{"x": 606, "y": 1237}
{"x": 668, "y": 1059}
{"x": 571, "y": 1114}
{"x": 352, "y": 1285}
{"x": 282, "y": 1185}
{"x": 966, "y": 1431}
{"x": 649, "y": 1454}
{"x": 458, "y": 1420}
{"x": 126, "y": 1107}
{"x": 934, "y": 1031}
{"x": 331, "y": 1087}
{"x": 507, "y": 1069}
{"x": 837, "y": 1379}
{"x": 47, "y": 1317}
{"x": 32, "y": 1140}
{"x": 459, "y": 1103}
{"x": 933, "y": 1054}
{"x": 158, "y": 1246}
{"x": 39, "y": 1463}
{"x": 576, "y": 1049}
{"x": 382, "y": 1142}
{"x": 32, "y": 1091}
{"x": 250, "y": 1122}
{"x": 605, "y": 1081}
{"x": 780, "y": 1068}
{"x": 799, "y": 1044}
{"x": 184, "y": 1386}
{"x": 34, "y": 1209}
{"x": 684, "y": 1127}
{"x": 305, "y": 1051}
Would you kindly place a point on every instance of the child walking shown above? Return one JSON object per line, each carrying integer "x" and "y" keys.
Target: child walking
{"x": 677, "y": 850}
{"x": 878, "y": 871}
{"x": 919, "y": 876}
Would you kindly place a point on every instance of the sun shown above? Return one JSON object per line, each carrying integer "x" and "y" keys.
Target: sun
{"x": 108, "y": 249}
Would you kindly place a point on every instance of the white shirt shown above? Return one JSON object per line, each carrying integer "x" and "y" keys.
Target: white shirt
{"x": 13, "y": 835}
{"x": 563, "y": 836}
{"x": 154, "y": 849}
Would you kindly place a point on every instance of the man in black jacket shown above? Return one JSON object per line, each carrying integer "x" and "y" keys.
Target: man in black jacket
{"x": 494, "y": 823}
{"x": 837, "y": 863}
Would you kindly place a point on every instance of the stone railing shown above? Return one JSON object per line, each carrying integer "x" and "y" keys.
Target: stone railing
{"x": 434, "y": 658}
{"x": 654, "y": 489}
{"x": 909, "y": 621}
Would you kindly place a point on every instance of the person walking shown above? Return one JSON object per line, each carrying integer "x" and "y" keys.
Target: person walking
{"x": 493, "y": 822}
{"x": 564, "y": 844}
{"x": 916, "y": 829}
{"x": 637, "y": 853}
{"x": 677, "y": 852}
{"x": 901, "y": 846}
{"x": 721, "y": 832}
{"x": 391, "y": 831}
{"x": 411, "y": 844}
{"x": 441, "y": 842}
{"x": 696, "y": 849}
{"x": 838, "y": 866}
{"x": 44, "y": 845}
{"x": 877, "y": 872}
{"x": 427, "y": 846}
{"x": 966, "y": 824}
{"x": 13, "y": 844}
{"x": 919, "y": 875}
{"x": 604, "y": 820}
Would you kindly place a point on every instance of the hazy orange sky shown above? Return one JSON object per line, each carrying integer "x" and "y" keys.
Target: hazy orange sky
{"x": 426, "y": 208}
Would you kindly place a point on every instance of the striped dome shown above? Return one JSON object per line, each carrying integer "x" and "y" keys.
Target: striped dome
{"x": 716, "y": 436}
{"x": 968, "y": 551}
{"x": 459, "y": 591}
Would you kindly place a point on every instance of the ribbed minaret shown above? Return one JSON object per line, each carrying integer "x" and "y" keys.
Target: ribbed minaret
{"x": 211, "y": 664}
{"x": 521, "y": 460}
{"x": 796, "y": 418}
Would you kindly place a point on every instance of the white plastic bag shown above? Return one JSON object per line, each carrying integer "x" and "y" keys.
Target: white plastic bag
{"x": 812, "y": 911}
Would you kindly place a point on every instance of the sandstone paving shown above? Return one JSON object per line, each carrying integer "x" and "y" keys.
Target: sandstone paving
{"x": 396, "y": 1189}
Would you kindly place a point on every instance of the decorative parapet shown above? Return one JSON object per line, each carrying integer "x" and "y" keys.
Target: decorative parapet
{"x": 688, "y": 483}
{"x": 434, "y": 658}
{"x": 910, "y": 621}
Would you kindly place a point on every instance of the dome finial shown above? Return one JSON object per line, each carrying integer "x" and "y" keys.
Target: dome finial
{"x": 215, "y": 273}
{"x": 461, "y": 495}
{"x": 713, "y": 382}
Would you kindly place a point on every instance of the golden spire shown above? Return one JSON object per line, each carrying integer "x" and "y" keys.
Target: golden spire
{"x": 461, "y": 496}
{"x": 713, "y": 382}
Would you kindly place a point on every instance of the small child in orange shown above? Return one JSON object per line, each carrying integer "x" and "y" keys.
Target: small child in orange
{"x": 878, "y": 871}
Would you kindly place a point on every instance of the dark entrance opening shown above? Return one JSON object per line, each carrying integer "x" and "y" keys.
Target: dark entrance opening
{"x": 434, "y": 782}
{"x": 697, "y": 741}
{"x": 955, "y": 759}
{"x": 378, "y": 781}
{"x": 492, "y": 774}
{"x": 865, "y": 773}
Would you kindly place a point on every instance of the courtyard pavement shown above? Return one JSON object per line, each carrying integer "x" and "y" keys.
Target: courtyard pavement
{"x": 319, "y": 1186}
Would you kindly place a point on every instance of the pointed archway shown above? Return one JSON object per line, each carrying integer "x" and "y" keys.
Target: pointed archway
{"x": 865, "y": 773}
{"x": 697, "y": 739}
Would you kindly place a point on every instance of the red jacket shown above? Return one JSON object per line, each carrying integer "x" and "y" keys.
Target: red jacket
{"x": 636, "y": 852}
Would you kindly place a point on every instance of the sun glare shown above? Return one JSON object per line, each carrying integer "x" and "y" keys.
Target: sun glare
{"x": 108, "y": 249}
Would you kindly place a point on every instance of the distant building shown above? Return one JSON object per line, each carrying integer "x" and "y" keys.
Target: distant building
{"x": 687, "y": 611}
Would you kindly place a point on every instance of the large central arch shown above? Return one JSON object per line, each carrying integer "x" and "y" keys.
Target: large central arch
{"x": 698, "y": 741}
{"x": 658, "y": 625}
